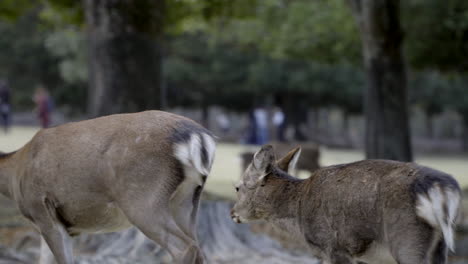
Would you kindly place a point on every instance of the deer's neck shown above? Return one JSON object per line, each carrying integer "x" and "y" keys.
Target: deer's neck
{"x": 7, "y": 170}
{"x": 286, "y": 202}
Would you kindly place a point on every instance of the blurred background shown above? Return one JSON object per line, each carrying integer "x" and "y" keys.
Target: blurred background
{"x": 345, "y": 79}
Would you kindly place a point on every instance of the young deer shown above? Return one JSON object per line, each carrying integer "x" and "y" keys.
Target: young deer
{"x": 101, "y": 175}
{"x": 362, "y": 211}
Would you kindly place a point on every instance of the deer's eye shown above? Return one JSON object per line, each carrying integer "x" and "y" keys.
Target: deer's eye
{"x": 237, "y": 189}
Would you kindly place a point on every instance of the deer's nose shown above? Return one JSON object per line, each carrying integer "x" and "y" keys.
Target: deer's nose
{"x": 235, "y": 217}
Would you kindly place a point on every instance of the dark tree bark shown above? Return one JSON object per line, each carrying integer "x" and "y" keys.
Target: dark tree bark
{"x": 386, "y": 107}
{"x": 346, "y": 127}
{"x": 464, "y": 139}
{"x": 430, "y": 125}
{"x": 124, "y": 45}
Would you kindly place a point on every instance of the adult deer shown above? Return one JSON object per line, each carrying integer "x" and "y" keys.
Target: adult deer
{"x": 101, "y": 175}
{"x": 362, "y": 211}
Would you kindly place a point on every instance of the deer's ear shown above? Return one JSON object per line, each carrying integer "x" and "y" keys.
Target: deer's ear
{"x": 263, "y": 159}
{"x": 288, "y": 162}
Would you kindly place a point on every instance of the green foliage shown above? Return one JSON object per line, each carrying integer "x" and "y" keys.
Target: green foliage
{"x": 457, "y": 99}
{"x": 30, "y": 57}
{"x": 10, "y": 10}
{"x": 202, "y": 72}
{"x": 69, "y": 47}
{"x": 437, "y": 33}
{"x": 24, "y": 61}
{"x": 321, "y": 31}
{"x": 429, "y": 90}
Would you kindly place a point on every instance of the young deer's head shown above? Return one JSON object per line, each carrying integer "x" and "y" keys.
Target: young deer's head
{"x": 257, "y": 188}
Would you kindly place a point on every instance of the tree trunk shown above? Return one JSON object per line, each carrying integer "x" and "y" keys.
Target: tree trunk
{"x": 205, "y": 116}
{"x": 429, "y": 125}
{"x": 386, "y": 107}
{"x": 124, "y": 44}
{"x": 464, "y": 139}
{"x": 346, "y": 128}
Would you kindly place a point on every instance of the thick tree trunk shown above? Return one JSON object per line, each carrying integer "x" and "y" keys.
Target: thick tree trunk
{"x": 464, "y": 139}
{"x": 124, "y": 43}
{"x": 346, "y": 127}
{"x": 386, "y": 107}
{"x": 429, "y": 125}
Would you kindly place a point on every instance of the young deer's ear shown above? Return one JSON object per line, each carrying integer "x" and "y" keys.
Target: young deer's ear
{"x": 264, "y": 158}
{"x": 288, "y": 162}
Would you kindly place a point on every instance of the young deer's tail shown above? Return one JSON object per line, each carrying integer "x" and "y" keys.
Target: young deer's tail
{"x": 437, "y": 201}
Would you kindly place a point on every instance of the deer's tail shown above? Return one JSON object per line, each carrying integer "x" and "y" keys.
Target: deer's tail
{"x": 197, "y": 152}
{"x": 437, "y": 201}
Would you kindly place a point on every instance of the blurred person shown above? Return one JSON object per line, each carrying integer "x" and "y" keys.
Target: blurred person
{"x": 251, "y": 129}
{"x": 43, "y": 106}
{"x": 261, "y": 121}
{"x": 223, "y": 122}
{"x": 279, "y": 123}
{"x": 5, "y": 107}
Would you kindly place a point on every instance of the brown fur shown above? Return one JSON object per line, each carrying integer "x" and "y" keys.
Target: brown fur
{"x": 343, "y": 213}
{"x": 104, "y": 175}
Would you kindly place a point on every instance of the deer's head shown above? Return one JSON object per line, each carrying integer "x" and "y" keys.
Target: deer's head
{"x": 256, "y": 189}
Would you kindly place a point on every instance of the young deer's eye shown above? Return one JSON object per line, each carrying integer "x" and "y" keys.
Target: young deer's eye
{"x": 237, "y": 189}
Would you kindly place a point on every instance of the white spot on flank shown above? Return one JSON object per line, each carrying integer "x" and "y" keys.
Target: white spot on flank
{"x": 138, "y": 139}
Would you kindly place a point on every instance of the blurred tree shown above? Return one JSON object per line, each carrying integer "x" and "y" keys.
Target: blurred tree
{"x": 124, "y": 45}
{"x": 440, "y": 28}
{"x": 428, "y": 90}
{"x": 349, "y": 93}
{"x": 458, "y": 101}
{"x": 200, "y": 74}
{"x": 386, "y": 111}
{"x": 25, "y": 61}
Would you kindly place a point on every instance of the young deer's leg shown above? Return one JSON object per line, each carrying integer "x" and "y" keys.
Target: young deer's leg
{"x": 415, "y": 244}
{"x": 53, "y": 233}
{"x": 341, "y": 257}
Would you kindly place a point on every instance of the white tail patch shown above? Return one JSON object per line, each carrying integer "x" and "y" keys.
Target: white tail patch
{"x": 190, "y": 153}
{"x": 439, "y": 208}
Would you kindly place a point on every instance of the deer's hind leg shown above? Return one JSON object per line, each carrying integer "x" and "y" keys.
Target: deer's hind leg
{"x": 185, "y": 200}
{"x": 439, "y": 256}
{"x": 416, "y": 245}
{"x": 54, "y": 237}
{"x": 157, "y": 221}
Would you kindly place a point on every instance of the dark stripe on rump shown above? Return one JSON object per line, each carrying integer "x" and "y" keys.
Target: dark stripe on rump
{"x": 427, "y": 178}
{"x": 184, "y": 129}
{"x": 203, "y": 152}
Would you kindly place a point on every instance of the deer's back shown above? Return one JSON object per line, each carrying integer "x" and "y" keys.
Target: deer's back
{"x": 354, "y": 204}
{"x": 87, "y": 167}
